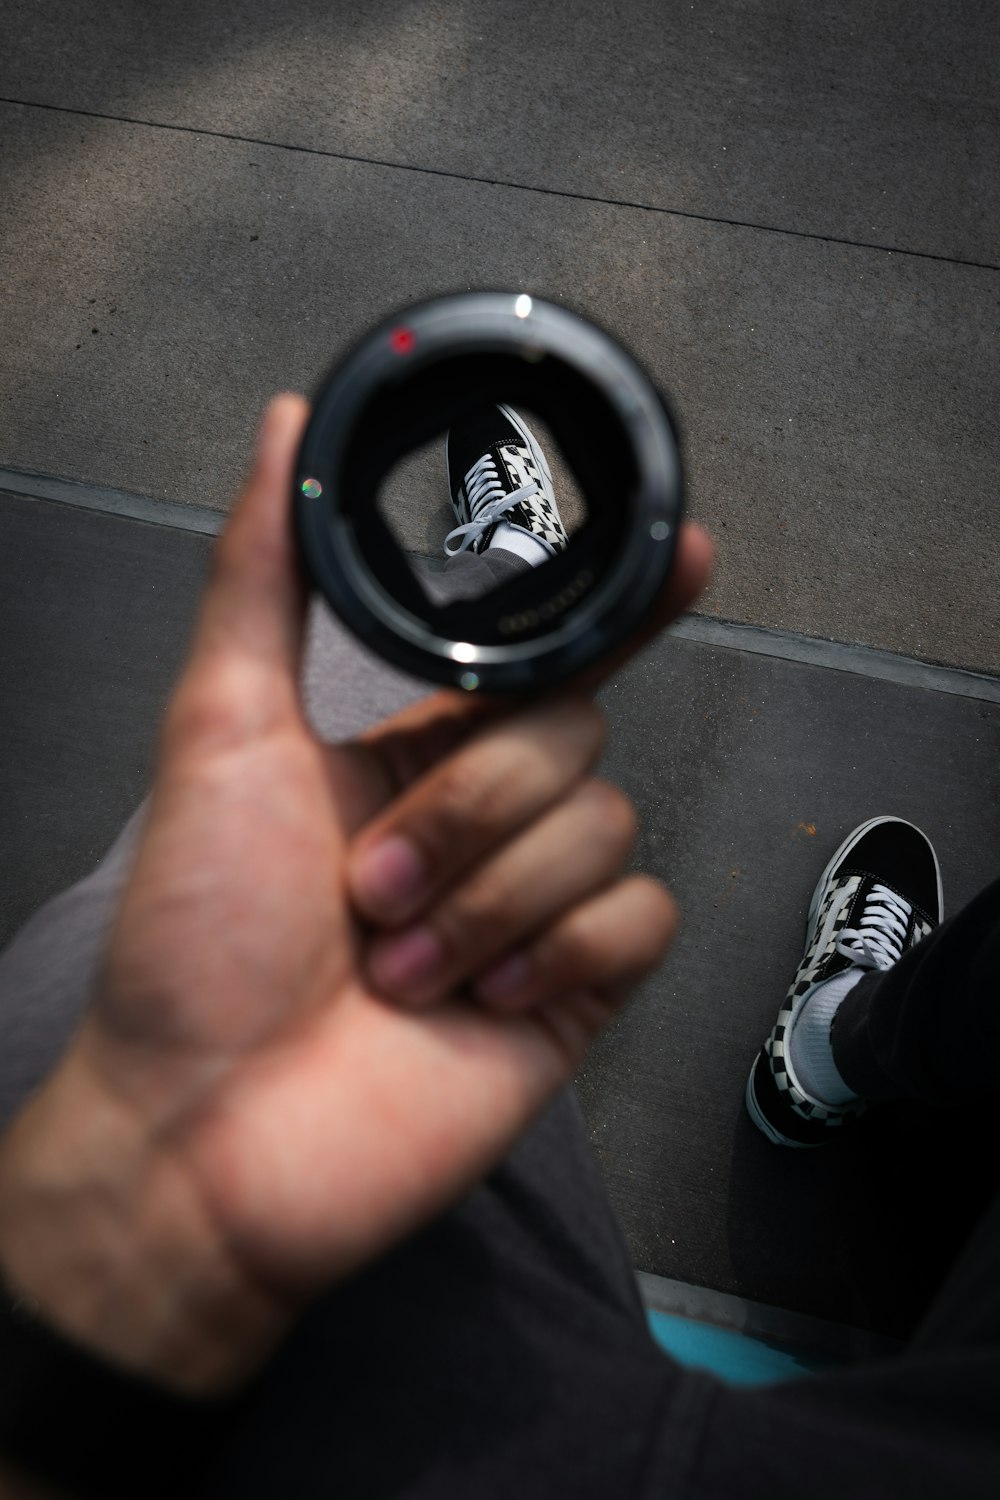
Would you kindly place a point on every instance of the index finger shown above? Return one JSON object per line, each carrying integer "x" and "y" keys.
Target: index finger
{"x": 470, "y": 803}
{"x": 386, "y": 759}
{"x": 377, "y": 767}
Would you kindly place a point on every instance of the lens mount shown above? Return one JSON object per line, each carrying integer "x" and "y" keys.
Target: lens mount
{"x": 416, "y": 374}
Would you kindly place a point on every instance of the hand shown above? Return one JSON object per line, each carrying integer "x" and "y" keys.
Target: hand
{"x": 260, "y": 1099}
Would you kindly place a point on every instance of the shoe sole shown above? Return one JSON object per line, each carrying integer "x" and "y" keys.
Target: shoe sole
{"x": 764, "y": 1125}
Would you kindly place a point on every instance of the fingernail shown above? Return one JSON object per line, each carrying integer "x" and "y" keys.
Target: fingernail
{"x": 504, "y": 979}
{"x": 390, "y": 873}
{"x": 399, "y": 961}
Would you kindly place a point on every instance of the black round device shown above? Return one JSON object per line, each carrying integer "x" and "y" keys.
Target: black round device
{"x": 430, "y": 368}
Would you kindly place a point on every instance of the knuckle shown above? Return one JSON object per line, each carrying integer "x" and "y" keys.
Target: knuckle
{"x": 573, "y": 728}
{"x": 223, "y": 561}
{"x": 461, "y": 802}
{"x": 217, "y": 704}
{"x": 624, "y": 936}
{"x": 218, "y": 558}
{"x": 615, "y": 816}
{"x": 660, "y": 919}
{"x": 196, "y": 715}
{"x": 245, "y": 547}
{"x": 479, "y": 793}
{"x": 586, "y": 725}
{"x": 591, "y": 724}
{"x": 571, "y": 950}
{"x": 477, "y": 909}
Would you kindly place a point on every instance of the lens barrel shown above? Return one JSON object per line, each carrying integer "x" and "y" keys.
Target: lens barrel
{"x": 415, "y": 375}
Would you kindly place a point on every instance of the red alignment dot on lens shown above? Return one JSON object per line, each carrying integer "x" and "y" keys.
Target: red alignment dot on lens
{"x": 402, "y": 340}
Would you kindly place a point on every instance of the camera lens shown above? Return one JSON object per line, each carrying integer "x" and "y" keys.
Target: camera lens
{"x": 490, "y": 369}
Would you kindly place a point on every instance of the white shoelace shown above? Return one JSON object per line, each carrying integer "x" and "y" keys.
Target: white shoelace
{"x": 877, "y": 941}
{"x": 488, "y": 501}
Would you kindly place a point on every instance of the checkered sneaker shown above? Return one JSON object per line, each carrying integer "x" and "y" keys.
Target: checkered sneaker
{"x": 497, "y": 472}
{"x": 857, "y": 919}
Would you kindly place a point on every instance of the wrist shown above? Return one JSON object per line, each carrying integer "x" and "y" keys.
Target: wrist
{"x": 104, "y": 1237}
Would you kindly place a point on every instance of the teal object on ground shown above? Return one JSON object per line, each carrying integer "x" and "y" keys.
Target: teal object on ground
{"x": 739, "y": 1358}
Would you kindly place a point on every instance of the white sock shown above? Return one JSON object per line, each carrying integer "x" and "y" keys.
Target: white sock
{"x": 808, "y": 1042}
{"x": 510, "y": 539}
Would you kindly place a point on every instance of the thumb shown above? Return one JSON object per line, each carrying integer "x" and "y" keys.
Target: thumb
{"x": 246, "y": 655}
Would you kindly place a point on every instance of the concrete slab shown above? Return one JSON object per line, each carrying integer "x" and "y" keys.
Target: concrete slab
{"x": 95, "y": 612}
{"x": 746, "y": 769}
{"x": 839, "y": 403}
{"x": 869, "y": 123}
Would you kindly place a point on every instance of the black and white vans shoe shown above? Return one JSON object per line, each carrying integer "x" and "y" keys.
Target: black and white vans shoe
{"x": 497, "y": 473}
{"x": 879, "y": 896}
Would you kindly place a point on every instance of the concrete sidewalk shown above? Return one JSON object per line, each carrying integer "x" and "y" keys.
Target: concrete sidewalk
{"x": 789, "y": 216}
{"x": 747, "y": 766}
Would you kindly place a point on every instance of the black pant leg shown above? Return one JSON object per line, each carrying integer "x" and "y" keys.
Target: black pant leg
{"x": 919, "y": 1425}
{"x": 924, "y": 1422}
{"x": 501, "y": 1354}
{"x": 929, "y": 1027}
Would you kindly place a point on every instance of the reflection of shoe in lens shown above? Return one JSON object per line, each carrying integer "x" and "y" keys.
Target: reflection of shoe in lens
{"x": 501, "y": 489}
